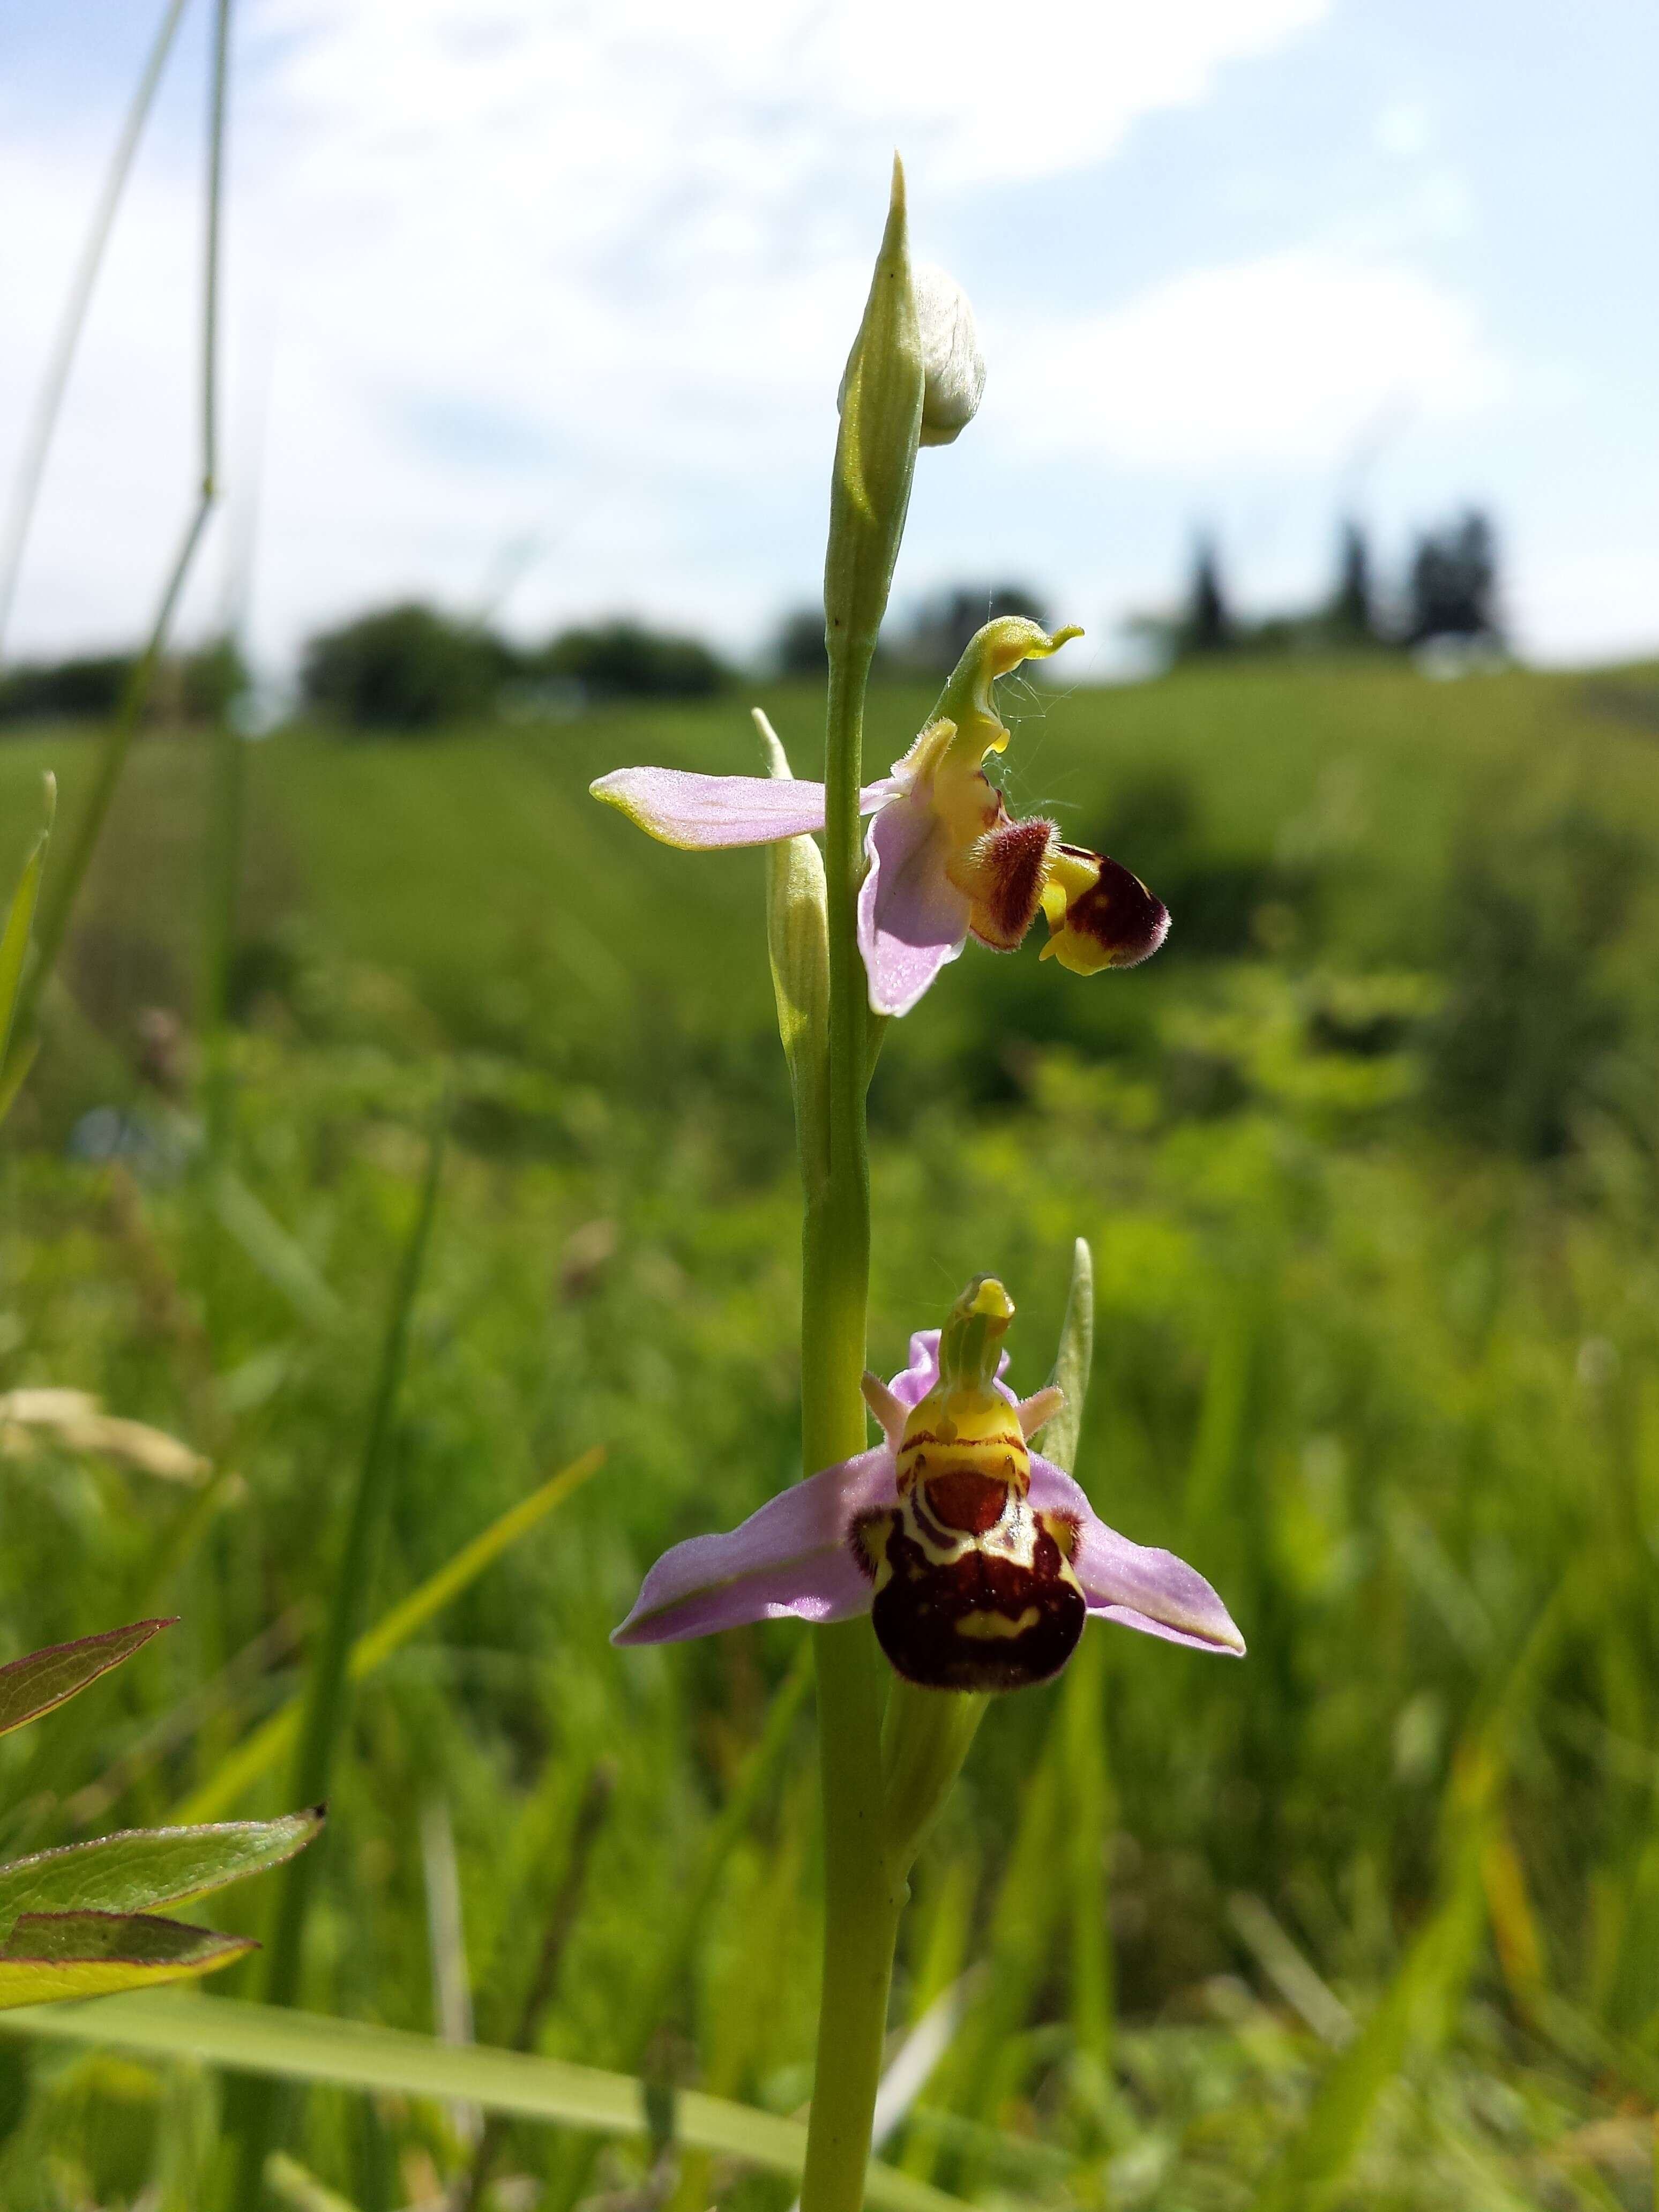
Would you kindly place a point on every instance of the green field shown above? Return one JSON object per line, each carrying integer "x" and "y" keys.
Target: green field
{"x": 1369, "y": 1158}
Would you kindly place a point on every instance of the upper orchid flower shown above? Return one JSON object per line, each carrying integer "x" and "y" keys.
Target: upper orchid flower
{"x": 946, "y": 859}
{"x": 979, "y": 1560}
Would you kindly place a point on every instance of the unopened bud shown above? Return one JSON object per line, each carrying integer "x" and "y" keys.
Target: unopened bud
{"x": 951, "y": 355}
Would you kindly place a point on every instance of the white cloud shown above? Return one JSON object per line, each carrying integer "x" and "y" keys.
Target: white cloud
{"x": 1290, "y": 360}
{"x": 585, "y": 271}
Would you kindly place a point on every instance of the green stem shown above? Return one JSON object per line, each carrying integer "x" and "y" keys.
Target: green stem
{"x": 63, "y": 885}
{"x": 864, "y": 1888}
{"x": 251, "y": 2119}
{"x": 49, "y": 403}
{"x": 862, "y": 1901}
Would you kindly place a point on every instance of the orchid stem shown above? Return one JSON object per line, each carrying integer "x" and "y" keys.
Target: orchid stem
{"x": 862, "y": 1901}
{"x": 864, "y": 1885}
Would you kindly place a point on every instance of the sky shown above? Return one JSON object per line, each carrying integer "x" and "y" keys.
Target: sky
{"x": 539, "y": 310}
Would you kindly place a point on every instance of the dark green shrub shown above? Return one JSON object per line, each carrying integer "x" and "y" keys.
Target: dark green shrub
{"x": 624, "y": 660}
{"x": 66, "y": 690}
{"x": 407, "y": 667}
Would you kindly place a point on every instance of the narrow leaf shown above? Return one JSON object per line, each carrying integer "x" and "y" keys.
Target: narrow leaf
{"x": 271, "y": 1743}
{"x": 300, "y": 2047}
{"x": 88, "y": 1954}
{"x": 34, "y": 1683}
{"x": 15, "y": 941}
{"x": 146, "y": 1867}
{"x": 797, "y": 937}
{"x": 1073, "y": 1361}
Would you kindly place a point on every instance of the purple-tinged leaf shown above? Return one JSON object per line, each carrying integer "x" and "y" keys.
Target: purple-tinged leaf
{"x": 34, "y": 1683}
{"x": 91, "y": 1954}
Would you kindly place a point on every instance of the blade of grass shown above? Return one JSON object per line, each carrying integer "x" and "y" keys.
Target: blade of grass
{"x": 297, "y": 2046}
{"x": 1082, "y": 1716}
{"x": 63, "y": 887}
{"x": 15, "y": 945}
{"x": 561, "y": 1921}
{"x": 675, "y": 1953}
{"x": 1073, "y": 1359}
{"x": 273, "y": 1742}
{"x": 327, "y": 1697}
{"x": 282, "y": 1261}
{"x": 49, "y": 403}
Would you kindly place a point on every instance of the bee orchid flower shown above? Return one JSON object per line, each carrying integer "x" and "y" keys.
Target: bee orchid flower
{"x": 946, "y": 861}
{"x": 979, "y": 1560}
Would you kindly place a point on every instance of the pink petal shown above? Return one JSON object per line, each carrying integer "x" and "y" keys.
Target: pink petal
{"x": 1139, "y": 1587}
{"x": 793, "y": 1556}
{"x": 698, "y": 813}
{"x": 913, "y": 920}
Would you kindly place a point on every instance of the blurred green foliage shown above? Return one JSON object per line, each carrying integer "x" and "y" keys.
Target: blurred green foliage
{"x": 404, "y": 668}
{"x": 1370, "y": 1162}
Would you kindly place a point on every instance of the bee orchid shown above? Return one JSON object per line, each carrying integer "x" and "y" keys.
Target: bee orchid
{"x": 946, "y": 861}
{"x": 978, "y": 1560}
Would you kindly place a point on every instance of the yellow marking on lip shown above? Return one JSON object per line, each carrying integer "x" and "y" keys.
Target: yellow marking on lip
{"x": 988, "y": 1627}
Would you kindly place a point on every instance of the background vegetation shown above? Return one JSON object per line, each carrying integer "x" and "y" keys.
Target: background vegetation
{"x": 1368, "y": 1160}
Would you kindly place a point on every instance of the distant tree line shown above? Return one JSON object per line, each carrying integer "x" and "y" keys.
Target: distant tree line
{"x": 1449, "y": 594}
{"x": 188, "y": 687}
{"x": 411, "y": 667}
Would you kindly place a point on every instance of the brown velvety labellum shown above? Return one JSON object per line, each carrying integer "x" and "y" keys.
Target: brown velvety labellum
{"x": 982, "y": 1620}
{"x": 1120, "y": 914}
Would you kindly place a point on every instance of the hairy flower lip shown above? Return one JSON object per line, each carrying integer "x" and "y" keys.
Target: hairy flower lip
{"x": 797, "y": 1555}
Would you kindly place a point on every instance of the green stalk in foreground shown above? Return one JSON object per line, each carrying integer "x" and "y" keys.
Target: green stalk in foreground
{"x": 875, "y": 458}
{"x": 63, "y": 888}
{"x": 327, "y": 1702}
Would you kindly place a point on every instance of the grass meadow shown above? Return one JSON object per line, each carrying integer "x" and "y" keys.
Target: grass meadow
{"x": 1369, "y": 1159}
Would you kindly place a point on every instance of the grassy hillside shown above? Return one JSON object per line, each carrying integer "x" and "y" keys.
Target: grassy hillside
{"x": 1367, "y": 1157}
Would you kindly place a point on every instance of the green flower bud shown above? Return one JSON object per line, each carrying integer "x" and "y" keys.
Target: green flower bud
{"x": 881, "y": 399}
{"x": 797, "y": 933}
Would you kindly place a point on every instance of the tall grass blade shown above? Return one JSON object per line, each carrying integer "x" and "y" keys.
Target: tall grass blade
{"x": 282, "y": 1261}
{"x": 48, "y": 404}
{"x": 269, "y": 1744}
{"x": 19, "y": 922}
{"x": 327, "y": 1701}
{"x": 63, "y": 887}
{"x": 675, "y": 1952}
{"x": 1073, "y": 1360}
{"x": 296, "y": 2046}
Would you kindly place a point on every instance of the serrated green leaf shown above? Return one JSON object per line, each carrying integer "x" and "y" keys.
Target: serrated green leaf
{"x": 142, "y": 1868}
{"x": 89, "y": 1955}
{"x": 300, "y": 2046}
{"x": 34, "y": 1683}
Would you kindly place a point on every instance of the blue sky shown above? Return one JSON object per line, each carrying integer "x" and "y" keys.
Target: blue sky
{"x": 552, "y": 301}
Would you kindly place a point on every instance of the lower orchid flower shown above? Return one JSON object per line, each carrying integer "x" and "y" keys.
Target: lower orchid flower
{"x": 946, "y": 861}
{"x": 979, "y": 1561}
